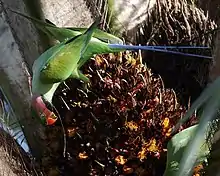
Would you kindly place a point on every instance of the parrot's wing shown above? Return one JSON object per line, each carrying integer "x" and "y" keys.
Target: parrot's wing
{"x": 101, "y": 35}
{"x": 44, "y": 58}
{"x": 63, "y": 62}
{"x": 87, "y": 35}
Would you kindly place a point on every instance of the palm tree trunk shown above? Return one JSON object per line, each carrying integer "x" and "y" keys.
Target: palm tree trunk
{"x": 20, "y": 45}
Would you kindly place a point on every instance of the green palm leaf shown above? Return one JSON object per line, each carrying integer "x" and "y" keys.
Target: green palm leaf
{"x": 209, "y": 102}
{"x": 177, "y": 146}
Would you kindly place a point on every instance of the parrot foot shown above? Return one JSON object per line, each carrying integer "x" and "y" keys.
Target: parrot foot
{"x": 85, "y": 87}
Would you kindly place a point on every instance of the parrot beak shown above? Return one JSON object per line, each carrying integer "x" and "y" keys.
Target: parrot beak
{"x": 47, "y": 117}
{"x": 51, "y": 119}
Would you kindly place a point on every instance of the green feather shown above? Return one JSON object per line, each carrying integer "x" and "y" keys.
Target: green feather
{"x": 65, "y": 33}
{"x": 101, "y": 35}
{"x": 65, "y": 60}
{"x": 37, "y": 86}
{"x": 98, "y": 45}
{"x": 58, "y": 63}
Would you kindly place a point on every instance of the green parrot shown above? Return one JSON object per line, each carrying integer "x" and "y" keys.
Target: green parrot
{"x": 102, "y": 42}
{"x": 53, "y": 67}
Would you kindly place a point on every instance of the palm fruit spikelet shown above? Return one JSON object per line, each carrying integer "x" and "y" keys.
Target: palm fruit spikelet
{"x": 122, "y": 124}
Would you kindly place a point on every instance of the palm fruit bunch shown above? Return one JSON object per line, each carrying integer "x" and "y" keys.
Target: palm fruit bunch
{"x": 167, "y": 22}
{"x": 121, "y": 123}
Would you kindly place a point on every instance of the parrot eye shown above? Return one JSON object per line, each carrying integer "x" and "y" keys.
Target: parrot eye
{"x": 45, "y": 67}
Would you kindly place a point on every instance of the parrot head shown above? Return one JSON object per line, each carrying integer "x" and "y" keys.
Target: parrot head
{"x": 46, "y": 116}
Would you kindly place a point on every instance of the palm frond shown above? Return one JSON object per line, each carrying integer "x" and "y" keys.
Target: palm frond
{"x": 209, "y": 101}
{"x": 176, "y": 147}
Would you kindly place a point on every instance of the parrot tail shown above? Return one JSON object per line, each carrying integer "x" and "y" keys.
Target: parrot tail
{"x": 40, "y": 22}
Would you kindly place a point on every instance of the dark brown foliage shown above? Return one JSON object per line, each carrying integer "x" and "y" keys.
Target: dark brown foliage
{"x": 178, "y": 22}
{"x": 169, "y": 22}
{"x": 122, "y": 123}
